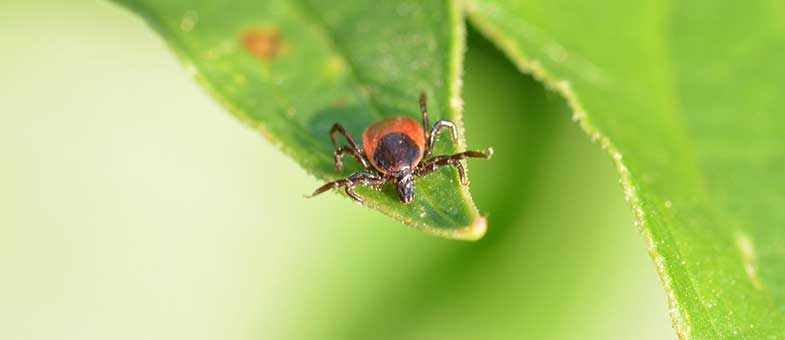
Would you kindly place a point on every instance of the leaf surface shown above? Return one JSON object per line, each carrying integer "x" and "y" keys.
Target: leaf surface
{"x": 687, "y": 97}
{"x": 291, "y": 69}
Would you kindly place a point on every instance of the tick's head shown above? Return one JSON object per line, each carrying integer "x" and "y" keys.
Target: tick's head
{"x": 404, "y": 184}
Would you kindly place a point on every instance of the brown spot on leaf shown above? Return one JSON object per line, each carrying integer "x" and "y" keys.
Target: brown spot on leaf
{"x": 264, "y": 43}
{"x": 339, "y": 102}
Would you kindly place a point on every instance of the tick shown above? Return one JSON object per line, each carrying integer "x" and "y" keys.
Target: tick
{"x": 396, "y": 150}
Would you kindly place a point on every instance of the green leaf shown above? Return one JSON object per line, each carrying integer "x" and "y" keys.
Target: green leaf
{"x": 687, "y": 98}
{"x": 293, "y": 68}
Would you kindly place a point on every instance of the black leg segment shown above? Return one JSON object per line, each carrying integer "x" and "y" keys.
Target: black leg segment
{"x": 437, "y": 162}
{"x": 431, "y": 139}
{"x": 426, "y": 126}
{"x": 352, "y": 149}
{"x": 358, "y": 178}
{"x": 432, "y": 131}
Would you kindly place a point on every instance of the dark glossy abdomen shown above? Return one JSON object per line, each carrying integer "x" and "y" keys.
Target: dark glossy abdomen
{"x": 396, "y": 151}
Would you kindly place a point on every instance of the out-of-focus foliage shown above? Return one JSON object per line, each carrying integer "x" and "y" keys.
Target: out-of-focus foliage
{"x": 687, "y": 97}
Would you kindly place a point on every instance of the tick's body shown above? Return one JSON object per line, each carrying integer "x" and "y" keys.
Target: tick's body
{"x": 393, "y": 150}
{"x": 394, "y": 144}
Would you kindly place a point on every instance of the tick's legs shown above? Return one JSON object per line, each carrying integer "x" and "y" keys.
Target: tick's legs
{"x": 437, "y": 162}
{"x": 426, "y": 126}
{"x": 361, "y": 178}
{"x": 352, "y": 149}
{"x": 341, "y": 150}
{"x": 432, "y": 135}
{"x": 431, "y": 132}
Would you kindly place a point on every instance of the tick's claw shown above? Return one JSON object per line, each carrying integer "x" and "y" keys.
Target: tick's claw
{"x": 354, "y": 195}
{"x": 489, "y": 153}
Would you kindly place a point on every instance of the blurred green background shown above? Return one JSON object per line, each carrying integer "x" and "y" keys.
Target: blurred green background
{"x": 134, "y": 207}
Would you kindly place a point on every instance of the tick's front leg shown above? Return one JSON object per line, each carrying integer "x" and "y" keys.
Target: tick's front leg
{"x": 432, "y": 131}
{"x": 340, "y": 151}
{"x": 437, "y": 162}
{"x": 352, "y": 148}
{"x": 442, "y": 124}
{"x": 358, "y": 178}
